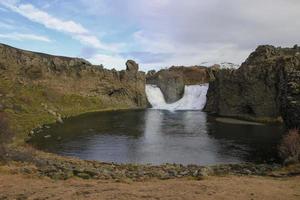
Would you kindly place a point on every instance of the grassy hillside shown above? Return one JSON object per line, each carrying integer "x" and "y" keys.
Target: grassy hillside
{"x": 36, "y": 88}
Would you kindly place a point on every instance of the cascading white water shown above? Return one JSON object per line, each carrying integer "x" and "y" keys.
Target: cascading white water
{"x": 194, "y": 98}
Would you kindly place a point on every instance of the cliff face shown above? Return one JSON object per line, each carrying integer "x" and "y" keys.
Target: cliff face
{"x": 39, "y": 85}
{"x": 172, "y": 81}
{"x": 263, "y": 88}
{"x": 290, "y": 90}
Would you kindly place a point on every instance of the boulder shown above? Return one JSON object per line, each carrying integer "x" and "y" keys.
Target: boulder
{"x": 132, "y": 66}
{"x": 172, "y": 88}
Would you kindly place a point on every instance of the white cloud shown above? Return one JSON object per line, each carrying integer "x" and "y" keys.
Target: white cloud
{"x": 187, "y": 32}
{"x": 36, "y": 15}
{"x": 108, "y": 61}
{"x": 76, "y": 30}
{"x": 196, "y": 31}
{"x": 96, "y": 7}
{"x": 184, "y": 54}
{"x": 19, "y": 36}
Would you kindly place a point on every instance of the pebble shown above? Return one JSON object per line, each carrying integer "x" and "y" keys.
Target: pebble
{"x": 63, "y": 169}
{"x": 59, "y": 120}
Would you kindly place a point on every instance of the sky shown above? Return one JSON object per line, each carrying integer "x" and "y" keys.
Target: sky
{"x": 155, "y": 33}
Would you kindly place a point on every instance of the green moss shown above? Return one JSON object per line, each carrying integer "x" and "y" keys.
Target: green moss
{"x": 28, "y": 106}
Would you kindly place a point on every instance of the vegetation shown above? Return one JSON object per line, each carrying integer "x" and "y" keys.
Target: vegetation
{"x": 5, "y": 135}
{"x": 31, "y": 105}
{"x": 289, "y": 149}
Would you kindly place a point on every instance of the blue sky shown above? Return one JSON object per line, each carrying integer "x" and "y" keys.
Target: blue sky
{"x": 155, "y": 33}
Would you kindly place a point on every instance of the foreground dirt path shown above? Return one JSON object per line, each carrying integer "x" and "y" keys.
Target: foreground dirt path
{"x": 230, "y": 187}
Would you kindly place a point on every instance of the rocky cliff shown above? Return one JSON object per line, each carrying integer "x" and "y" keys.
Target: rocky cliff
{"x": 264, "y": 88}
{"x": 172, "y": 81}
{"x": 290, "y": 89}
{"x": 37, "y": 87}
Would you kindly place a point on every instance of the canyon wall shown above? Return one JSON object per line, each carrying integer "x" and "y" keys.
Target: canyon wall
{"x": 36, "y": 87}
{"x": 265, "y": 87}
{"x": 290, "y": 89}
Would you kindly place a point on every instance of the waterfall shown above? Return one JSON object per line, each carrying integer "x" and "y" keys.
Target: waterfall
{"x": 194, "y": 98}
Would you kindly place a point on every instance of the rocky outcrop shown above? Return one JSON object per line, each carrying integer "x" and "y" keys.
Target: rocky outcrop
{"x": 172, "y": 81}
{"x": 68, "y": 86}
{"x": 264, "y": 88}
{"x": 290, "y": 89}
{"x": 132, "y": 66}
{"x": 73, "y": 75}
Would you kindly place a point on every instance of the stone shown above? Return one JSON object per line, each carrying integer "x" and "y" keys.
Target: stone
{"x": 132, "y": 66}
{"x": 51, "y": 112}
{"x": 59, "y": 119}
{"x": 204, "y": 172}
{"x": 31, "y": 133}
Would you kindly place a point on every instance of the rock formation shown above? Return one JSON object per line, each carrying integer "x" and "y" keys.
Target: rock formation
{"x": 264, "y": 88}
{"x": 132, "y": 66}
{"x": 172, "y": 81}
{"x": 290, "y": 89}
{"x": 30, "y": 81}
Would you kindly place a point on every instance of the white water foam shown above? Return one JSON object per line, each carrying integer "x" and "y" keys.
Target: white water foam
{"x": 194, "y": 98}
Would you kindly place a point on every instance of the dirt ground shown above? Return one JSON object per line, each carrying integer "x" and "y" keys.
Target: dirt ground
{"x": 230, "y": 187}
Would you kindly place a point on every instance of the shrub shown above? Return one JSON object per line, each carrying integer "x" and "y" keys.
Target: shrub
{"x": 5, "y": 135}
{"x": 289, "y": 149}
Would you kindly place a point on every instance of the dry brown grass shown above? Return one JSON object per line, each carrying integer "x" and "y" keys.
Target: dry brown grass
{"x": 289, "y": 149}
{"x": 17, "y": 186}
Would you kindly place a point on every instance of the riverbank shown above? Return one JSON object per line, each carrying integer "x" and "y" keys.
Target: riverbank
{"x": 56, "y": 167}
{"x": 61, "y": 168}
{"x": 32, "y": 174}
{"x": 31, "y": 161}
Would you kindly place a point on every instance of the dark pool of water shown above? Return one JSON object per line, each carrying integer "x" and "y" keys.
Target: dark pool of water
{"x": 156, "y": 137}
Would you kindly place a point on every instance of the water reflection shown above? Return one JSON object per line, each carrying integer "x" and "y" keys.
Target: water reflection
{"x": 153, "y": 136}
{"x": 193, "y": 121}
{"x": 153, "y": 123}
